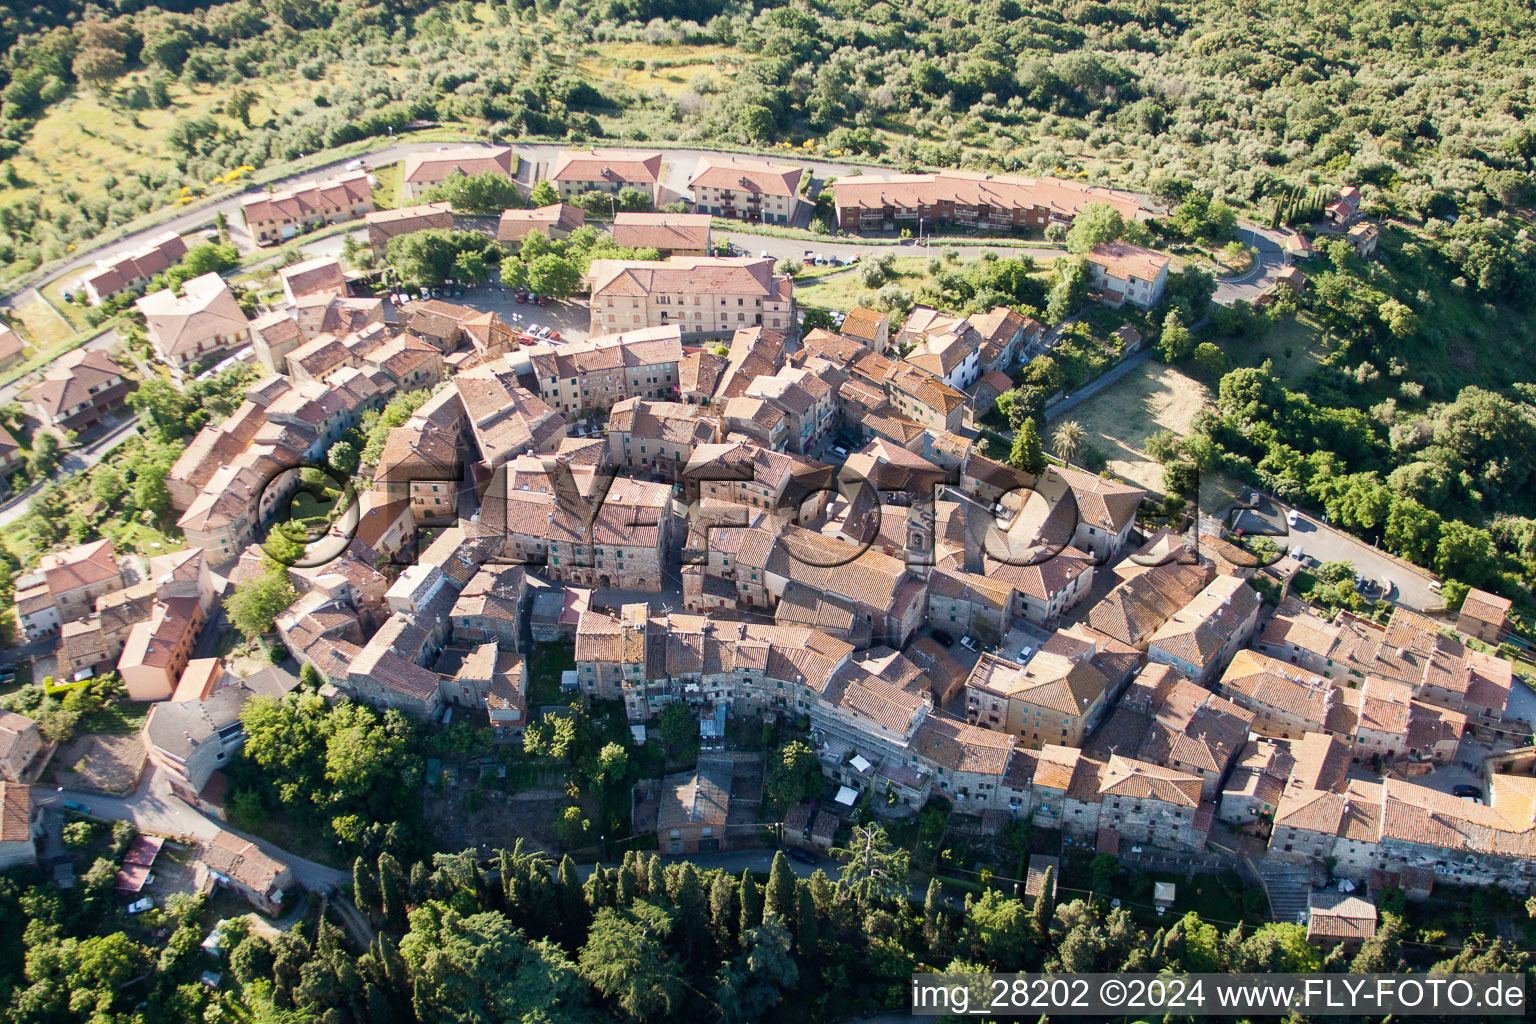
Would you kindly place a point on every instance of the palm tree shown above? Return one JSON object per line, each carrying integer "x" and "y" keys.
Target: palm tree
{"x": 1068, "y": 438}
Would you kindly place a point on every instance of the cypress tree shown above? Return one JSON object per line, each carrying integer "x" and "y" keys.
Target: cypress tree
{"x": 365, "y": 889}
{"x": 723, "y": 910}
{"x": 933, "y": 910}
{"x": 655, "y": 879}
{"x": 751, "y": 903}
{"x": 391, "y": 891}
{"x": 1045, "y": 903}
{"x": 421, "y": 882}
{"x": 779, "y": 899}
{"x": 627, "y": 886}
{"x": 807, "y": 928}
{"x": 574, "y": 915}
{"x": 1027, "y": 453}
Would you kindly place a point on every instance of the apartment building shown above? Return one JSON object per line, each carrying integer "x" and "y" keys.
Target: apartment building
{"x": 670, "y": 234}
{"x": 656, "y": 437}
{"x": 79, "y": 390}
{"x": 740, "y": 188}
{"x": 609, "y": 171}
{"x": 132, "y": 271}
{"x": 201, "y": 324}
{"x": 280, "y": 215}
{"x": 580, "y": 377}
{"x": 1200, "y": 638}
{"x": 1052, "y": 699}
{"x": 422, "y": 171}
{"x": 702, "y": 296}
{"x": 998, "y": 202}
{"x": 386, "y": 224}
{"x": 622, "y": 544}
{"x": 554, "y": 221}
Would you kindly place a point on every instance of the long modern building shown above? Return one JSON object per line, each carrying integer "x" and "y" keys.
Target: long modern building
{"x": 884, "y": 202}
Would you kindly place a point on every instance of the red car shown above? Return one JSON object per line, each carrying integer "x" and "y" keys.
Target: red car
{"x": 554, "y": 336}
{"x": 522, "y": 296}
{"x": 541, "y": 300}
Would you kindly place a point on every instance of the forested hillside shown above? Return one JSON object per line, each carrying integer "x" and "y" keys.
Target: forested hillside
{"x": 1426, "y": 105}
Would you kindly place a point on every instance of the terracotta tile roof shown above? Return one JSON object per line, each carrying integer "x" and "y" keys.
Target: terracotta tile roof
{"x": 699, "y": 373}
{"x": 306, "y": 200}
{"x": 1063, "y": 200}
{"x": 739, "y": 174}
{"x": 864, "y": 324}
{"x": 683, "y": 275}
{"x": 15, "y": 812}
{"x": 81, "y": 566}
{"x": 959, "y": 747}
{"x": 74, "y": 380}
{"x": 514, "y": 224}
{"x": 1319, "y": 761}
{"x": 1045, "y": 580}
{"x": 319, "y": 274}
{"x": 159, "y": 254}
{"x": 1138, "y": 780}
{"x": 1050, "y": 681}
{"x": 386, "y": 224}
{"x": 1056, "y": 766}
{"x": 1339, "y": 917}
{"x": 924, "y": 387}
{"x": 205, "y": 309}
{"x": 623, "y": 166}
{"x": 241, "y": 860}
{"x": 1258, "y": 681}
{"x": 1126, "y": 261}
{"x": 661, "y": 230}
{"x": 1261, "y": 771}
{"x": 1136, "y": 608}
{"x": 1486, "y": 607}
{"x": 432, "y": 167}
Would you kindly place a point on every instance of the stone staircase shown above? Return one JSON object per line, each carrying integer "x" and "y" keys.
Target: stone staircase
{"x": 1287, "y": 886}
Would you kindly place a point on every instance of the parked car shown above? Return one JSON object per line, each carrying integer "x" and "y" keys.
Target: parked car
{"x": 75, "y": 805}
{"x": 541, "y": 300}
{"x": 554, "y": 336}
{"x": 1292, "y": 517}
{"x": 943, "y": 639}
{"x": 520, "y": 295}
{"x": 801, "y": 855}
{"x": 1466, "y": 790}
{"x": 141, "y": 905}
{"x": 840, "y": 451}
{"x": 969, "y": 644}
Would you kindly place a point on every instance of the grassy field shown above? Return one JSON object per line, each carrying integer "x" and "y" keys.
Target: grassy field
{"x": 43, "y": 325}
{"x": 387, "y": 195}
{"x": 1150, "y": 398}
{"x": 1295, "y": 345}
{"x": 844, "y": 291}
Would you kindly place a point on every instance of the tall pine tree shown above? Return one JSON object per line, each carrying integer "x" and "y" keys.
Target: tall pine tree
{"x": 365, "y": 890}
{"x": 751, "y": 904}
{"x": 1027, "y": 453}
{"x": 779, "y": 898}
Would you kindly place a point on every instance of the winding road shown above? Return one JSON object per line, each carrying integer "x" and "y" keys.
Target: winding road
{"x": 153, "y": 807}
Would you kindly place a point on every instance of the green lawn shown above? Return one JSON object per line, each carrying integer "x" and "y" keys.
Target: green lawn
{"x": 1295, "y": 345}
{"x": 386, "y": 194}
{"x": 545, "y": 663}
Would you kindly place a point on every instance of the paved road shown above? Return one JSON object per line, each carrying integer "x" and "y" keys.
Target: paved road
{"x": 154, "y": 807}
{"x": 1326, "y": 543}
{"x": 1269, "y": 260}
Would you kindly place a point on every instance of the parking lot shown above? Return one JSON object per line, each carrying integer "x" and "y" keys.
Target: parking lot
{"x": 1321, "y": 542}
